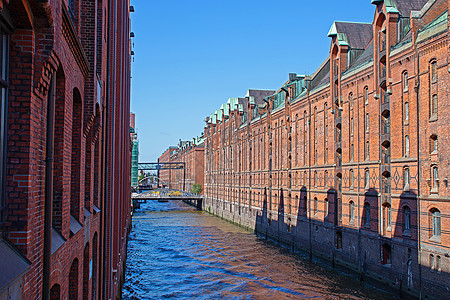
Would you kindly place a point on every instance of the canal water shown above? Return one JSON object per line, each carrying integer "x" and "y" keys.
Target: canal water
{"x": 176, "y": 252}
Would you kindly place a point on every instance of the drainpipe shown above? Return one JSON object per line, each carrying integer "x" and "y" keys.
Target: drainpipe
{"x": 48, "y": 191}
{"x": 419, "y": 248}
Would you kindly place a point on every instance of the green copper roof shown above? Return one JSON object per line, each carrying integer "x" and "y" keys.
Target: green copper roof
{"x": 233, "y": 102}
{"x": 219, "y": 114}
{"x": 442, "y": 18}
{"x": 342, "y": 37}
{"x": 391, "y": 6}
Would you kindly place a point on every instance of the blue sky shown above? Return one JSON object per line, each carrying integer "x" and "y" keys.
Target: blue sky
{"x": 192, "y": 55}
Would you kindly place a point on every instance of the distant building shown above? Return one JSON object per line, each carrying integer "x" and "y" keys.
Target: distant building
{"x": 134, "y": 152}
{"x": 191, "y": 153}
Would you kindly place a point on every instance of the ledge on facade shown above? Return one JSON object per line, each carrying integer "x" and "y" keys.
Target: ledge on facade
{"x": 12, "y": 265}
{"x": 96, "y": 209}
{"x": 75, "y": 226}
{"x": 87, "y": 213}
{"x": 57, "y": 240}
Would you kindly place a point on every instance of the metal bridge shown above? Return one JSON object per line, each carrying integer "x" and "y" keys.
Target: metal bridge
{"x": 163, "y": 195}
{"x": 164, "y": 166}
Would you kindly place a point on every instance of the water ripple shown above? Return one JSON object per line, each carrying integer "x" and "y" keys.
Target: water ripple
{"x": 175, "y": 252}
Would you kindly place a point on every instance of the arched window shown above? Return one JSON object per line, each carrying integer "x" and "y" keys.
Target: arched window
{"x": 367, "y": 122}
{"x": 406, "y": 179}
{"x": 350, "y": 99}
{"x": 406, "y": 111}
{"x": 367, "y": 150}
{"x": 352, "y": 152}
{"x": 386, "y": 217}
{"x": 366, "y": 95}
{"x": 435, "y": 178}
{"x": 406, "y": 145}
{"x": 352, "y": 212}
{"x": 406, "y": 219}
{"x": 405, "y": 81}
{"x": 316, "y": 203}
{"x": 73, "y": 280}
{"x": 326, "y": 207}
{"x": 433, "y": 71}
{"x": 315, "y": 178}
{"x": 55, "y": 292}
{"x": 367, "y": 215}
{"x": 325, "y": 178}
{"x": 351, "y": 178}
{"x": 367, "y": 178}
{"x": 435, "y": 220}
{"x": 431, "y": 262}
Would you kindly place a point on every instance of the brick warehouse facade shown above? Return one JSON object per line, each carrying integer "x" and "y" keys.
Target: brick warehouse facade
{"x": 351, "y": 163}
{"x": 65, "y": 165}
{"x": 193, "y": 155}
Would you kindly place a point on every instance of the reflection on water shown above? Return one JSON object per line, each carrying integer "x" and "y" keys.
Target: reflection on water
{"x": 177, "y": 252}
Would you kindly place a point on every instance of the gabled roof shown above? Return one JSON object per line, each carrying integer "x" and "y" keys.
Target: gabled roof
{"x": 355, "y": 35}
{"x": 404, "y": 7}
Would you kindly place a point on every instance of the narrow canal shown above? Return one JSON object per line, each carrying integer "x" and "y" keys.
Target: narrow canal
{"x": 176, "y": 252}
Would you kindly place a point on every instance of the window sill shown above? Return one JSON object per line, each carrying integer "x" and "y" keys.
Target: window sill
{"x": 435, "y": 239}
{"x": 434, "y": 191}
{"x": 433, "y": 118}
{"x": 406, "y": 233}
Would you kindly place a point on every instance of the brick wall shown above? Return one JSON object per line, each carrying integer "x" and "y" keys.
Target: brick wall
{"x": 56, "y": 44}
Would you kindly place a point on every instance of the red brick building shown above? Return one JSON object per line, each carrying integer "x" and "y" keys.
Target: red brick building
{"x": 65, "y": 158}
{"x": 193, "y": 156}
{"x": 165, "y": 176}
{"x": 350, "y": 163}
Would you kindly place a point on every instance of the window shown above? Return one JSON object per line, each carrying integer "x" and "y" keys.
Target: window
{"x": 352, "y": 212}
{"x": 433, "y": 144}
{"x": 366, "y": 95}
{"x": 406, "y": 219}
{"x": 438, "y": 263}
{"x": 351, "y": 179}
{"x": 406, "y": 179}
{"x": 367, "y": 151}
{"x": 435, "y": 218}
{"x": 367, "y": 122}
{"x": 315, "y": 178}
{"x": 386, "y": 254}
{"x": 350, "y": 99}
{"x": 406, "y": 146}
{"x": 351, "y": 126}
{"x": 405, "y": 81}
{"x": 433, "y": 71}
{"x": 326, "y": 207}
{"x": 435, "y": 179}
{"x": 434, "y": 106}
{"x": 352, "y": 151}
{"x": 4, "y": 39}
{"x": 338, "y": 240}
{"x": 315, "y": 205}
{"x": 431, "y": 262}
{"x": 367, "y": 215}
{"x": 406, "y": 111}
{"x": 387, "y": 217}
{"x": 367, "y": 178}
